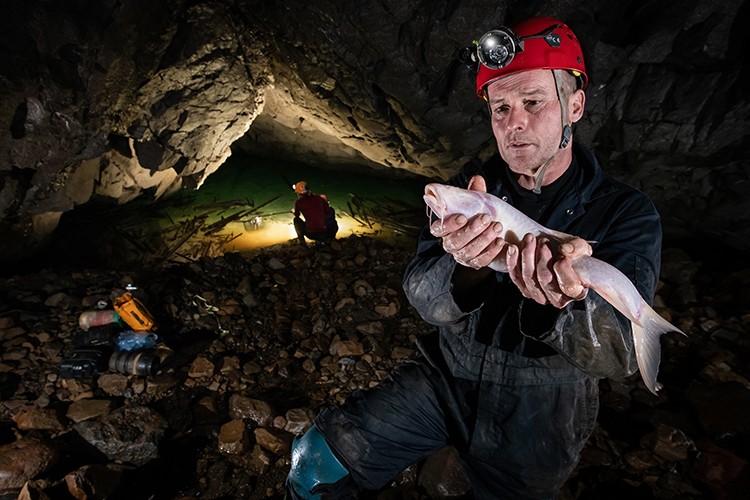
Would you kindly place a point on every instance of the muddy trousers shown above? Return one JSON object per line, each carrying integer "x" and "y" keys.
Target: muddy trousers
{"x": 300, "y": 227}
{"x": 519, "y": 430}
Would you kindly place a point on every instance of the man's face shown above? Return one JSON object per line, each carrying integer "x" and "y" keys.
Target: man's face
{"x": 526, "y": 119}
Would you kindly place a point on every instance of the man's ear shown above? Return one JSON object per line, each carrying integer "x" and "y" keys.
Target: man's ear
{"x": 576, "y": 103}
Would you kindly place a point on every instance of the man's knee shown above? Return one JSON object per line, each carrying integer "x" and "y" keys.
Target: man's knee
{"x": 315, "y": 470}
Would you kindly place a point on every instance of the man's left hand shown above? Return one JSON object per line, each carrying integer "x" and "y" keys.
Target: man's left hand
{"x": 544, "y": 278}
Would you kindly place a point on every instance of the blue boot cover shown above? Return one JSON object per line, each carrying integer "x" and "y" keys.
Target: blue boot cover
{"x": 313, "y": 464}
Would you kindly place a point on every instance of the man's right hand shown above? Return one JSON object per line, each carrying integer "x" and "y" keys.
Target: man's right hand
{"x": 473, "y": 242}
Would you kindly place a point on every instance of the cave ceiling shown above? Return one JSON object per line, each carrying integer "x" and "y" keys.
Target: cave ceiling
{"x": 134, "y": 98}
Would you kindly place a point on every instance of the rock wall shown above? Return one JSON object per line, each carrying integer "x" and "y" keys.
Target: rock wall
{"x": 129, "y": 98}
{"x": 115, "y": 99}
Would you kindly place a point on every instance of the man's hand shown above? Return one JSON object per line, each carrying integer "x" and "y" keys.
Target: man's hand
{"x": 474, "y": 242}
{"x": 544, "y": 278}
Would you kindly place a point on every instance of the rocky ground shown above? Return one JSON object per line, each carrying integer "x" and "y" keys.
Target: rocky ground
{"x": 252, "y": 346}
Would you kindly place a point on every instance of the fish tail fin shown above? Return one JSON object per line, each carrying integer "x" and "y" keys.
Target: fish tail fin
{"x": 647, "y": 345}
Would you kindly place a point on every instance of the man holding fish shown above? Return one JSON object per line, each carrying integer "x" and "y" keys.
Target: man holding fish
{"x": 528, "y": 318}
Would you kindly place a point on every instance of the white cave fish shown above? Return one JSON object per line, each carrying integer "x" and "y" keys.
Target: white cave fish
{"x": 605, "y": 279}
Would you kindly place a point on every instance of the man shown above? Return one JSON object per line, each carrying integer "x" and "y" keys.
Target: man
{"x": 510, "y": 377}
{"x": 320, "y": 221}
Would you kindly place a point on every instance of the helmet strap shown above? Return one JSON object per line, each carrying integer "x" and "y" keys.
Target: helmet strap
{"x": 567, "y": 132}
{"x": 538, "y": 183}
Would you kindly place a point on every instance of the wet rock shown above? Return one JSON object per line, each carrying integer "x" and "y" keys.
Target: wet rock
{"x": 259, "y": 461}
{"x": 341, "y": 304}
{"x": 128, "y": 434}
{"x": 201, "y": 367}
{"x": 387, "y": 310}
{"x": 75, "y": 390}
{"x": 92, "y": 482}
{"x": 298, "y": 329}
{"x": 114, "y": 384}
{"x": 400, "y": 352}
{"x": 276, "y": 441}
{"x": 725, "y": 473}
{"x": 309, "y": 365}
{"x": 61, "y": 300}
{"x": 722, "y": 372}
{"x": 279, "y": 421}
{"x": 86, "y": 409}
{"x": 31, "y": 417}
{"x": 670, "y": 444}
{"x": 320, "y": 325}
{"x": 362, "y": 288}
{"x": 297, "y": 421}
{"x": 275, "y": 264}
{"x": 255, "y": 410}
{"x": 160, "y": 385}
{"x": 252, "y": 368}
{"x": 24, "y": 459}
{"x": 370, "y": 328}
{"x": 641, "y": 459}
{"x": 230, "y": 364}
{"x": 344, "y": 348}
{"x": 233, "y": 438}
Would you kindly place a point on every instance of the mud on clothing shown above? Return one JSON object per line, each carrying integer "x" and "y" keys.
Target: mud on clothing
{"x": 510, "y": 383}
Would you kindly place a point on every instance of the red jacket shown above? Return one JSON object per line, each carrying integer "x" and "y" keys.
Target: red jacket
{"x": 313, "y": 207}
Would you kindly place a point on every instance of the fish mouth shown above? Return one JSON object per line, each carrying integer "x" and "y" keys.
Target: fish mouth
{"x": 434, "y": 202}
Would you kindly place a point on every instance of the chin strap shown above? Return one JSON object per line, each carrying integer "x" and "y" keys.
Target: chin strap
{"x": 538, "y": 183}
{"x": 567, "y": 132}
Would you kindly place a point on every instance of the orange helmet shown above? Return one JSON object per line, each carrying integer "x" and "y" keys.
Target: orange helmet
{"x": 536, "y": 43}
{"x": 300, "y": 187}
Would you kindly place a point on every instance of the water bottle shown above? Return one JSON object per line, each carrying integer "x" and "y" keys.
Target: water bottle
{"x": 87, "y": 319}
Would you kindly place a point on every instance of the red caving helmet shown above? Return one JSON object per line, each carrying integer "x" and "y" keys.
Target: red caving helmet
{"x": 536, "y": 43}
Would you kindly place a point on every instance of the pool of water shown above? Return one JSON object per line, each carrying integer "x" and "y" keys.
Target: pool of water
{"x": 366, "y": 201}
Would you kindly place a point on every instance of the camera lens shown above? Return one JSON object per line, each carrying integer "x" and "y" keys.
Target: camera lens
{"x": 134, "y": 363}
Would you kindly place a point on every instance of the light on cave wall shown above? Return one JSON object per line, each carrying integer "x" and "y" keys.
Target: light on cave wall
{"x": 262, "y": 232}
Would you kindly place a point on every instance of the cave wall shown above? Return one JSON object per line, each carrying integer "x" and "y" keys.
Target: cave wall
{"x": 118, "y": 100}
{"x": 129, "y": 98}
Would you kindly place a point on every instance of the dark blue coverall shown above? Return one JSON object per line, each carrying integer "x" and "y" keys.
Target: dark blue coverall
{"x": 511, "y": 384}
